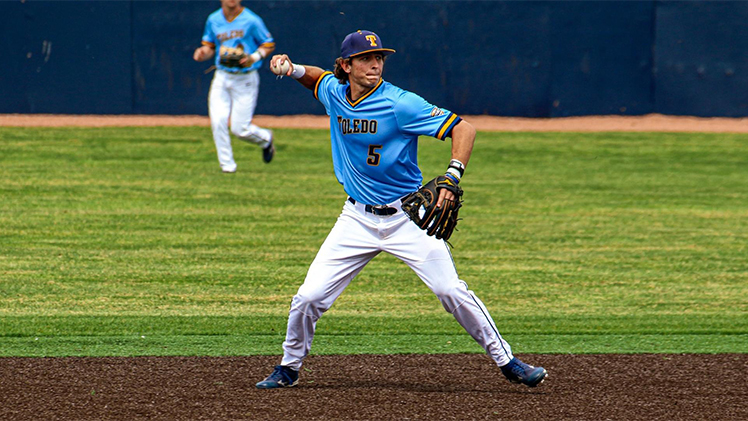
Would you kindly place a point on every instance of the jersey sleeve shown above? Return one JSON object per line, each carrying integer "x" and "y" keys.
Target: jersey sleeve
{"x": 261, "y": 35}
{"x": 324, "y": 87}
{"x": 416, "y": 116}
{"x": 209, "y": 37}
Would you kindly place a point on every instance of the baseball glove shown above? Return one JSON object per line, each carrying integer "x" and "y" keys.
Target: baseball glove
{"x": 420, "y": 206}
{"x": 232, "y": 57}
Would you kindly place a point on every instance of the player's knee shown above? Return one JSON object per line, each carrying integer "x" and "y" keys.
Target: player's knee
{"x": 217, "y": 124}
{"x": 451, "y": 296}
{"x": 444, "y": 291}
{"x": 237, "y": 130}
{"x": 313, "y": 300}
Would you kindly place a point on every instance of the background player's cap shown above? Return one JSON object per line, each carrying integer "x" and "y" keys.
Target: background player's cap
{"x": 362, "y": 42}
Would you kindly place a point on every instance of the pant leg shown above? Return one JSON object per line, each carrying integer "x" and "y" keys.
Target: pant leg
{"x": 432, "y": 261}
{"x": 219, "y": 108}
{"x": 350, "y": 245}
{"x": 244, "y": 92}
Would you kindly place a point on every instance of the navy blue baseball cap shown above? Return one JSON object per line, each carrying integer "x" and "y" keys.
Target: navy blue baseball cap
{"x": 362, "y": 42}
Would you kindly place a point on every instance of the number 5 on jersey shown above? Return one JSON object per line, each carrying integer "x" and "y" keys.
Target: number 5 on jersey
{"x": 374, "y": 156}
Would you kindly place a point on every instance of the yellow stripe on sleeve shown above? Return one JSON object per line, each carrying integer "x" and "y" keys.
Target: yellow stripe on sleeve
{"x": 316, "y": 86}
{"x": 445, "y": 126}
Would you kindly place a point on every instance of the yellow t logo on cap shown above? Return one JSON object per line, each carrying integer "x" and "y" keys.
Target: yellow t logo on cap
{"x": 372, "y": 40}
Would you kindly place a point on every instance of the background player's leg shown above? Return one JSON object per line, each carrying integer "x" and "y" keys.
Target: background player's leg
{"x": 431, "y": 260}
{"x": 219, "y": 108}
{"x": 244, "y": 91}
{"x": 351, "y": 244}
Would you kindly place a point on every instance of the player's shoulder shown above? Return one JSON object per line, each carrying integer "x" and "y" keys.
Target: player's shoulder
{"x": 327, "y": 82}
{"x": 334, "y": 85}
{"x": 215, "y": 16}
{"x": 327, "y": 78}
{"x": 249, "y": 15}
{"x": 391, "y": 93}
{"x": 400, "y": 98}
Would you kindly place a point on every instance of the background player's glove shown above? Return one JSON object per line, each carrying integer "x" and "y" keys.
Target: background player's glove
{"x": 232, "y": 57}
{"x": 420, "y": 206}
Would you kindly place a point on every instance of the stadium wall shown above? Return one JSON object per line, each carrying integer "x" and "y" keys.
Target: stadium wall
{"x": 509, "y": 58}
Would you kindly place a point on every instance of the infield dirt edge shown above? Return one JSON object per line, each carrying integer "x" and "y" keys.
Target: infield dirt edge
{"x": 612, "y": 123}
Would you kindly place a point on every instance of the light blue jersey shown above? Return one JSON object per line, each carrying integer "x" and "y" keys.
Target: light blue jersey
{"x": 375, "y": 139}
{"x": 246, "y": 29}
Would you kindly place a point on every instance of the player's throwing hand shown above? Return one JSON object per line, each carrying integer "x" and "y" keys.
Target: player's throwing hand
{"x": 281, "y": 65}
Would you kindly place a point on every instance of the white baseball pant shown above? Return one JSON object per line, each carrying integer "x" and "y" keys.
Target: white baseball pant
{"x": 235, "y": 96}
{"x": 357, "y": 237}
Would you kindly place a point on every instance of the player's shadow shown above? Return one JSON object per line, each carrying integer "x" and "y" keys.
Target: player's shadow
{"x": 487, "y": 388}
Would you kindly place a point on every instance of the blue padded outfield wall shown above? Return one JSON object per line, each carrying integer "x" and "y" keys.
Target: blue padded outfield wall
{"x": 511, "y": 58}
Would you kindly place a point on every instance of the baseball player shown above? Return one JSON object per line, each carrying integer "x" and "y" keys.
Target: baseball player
{"x": 374, "y": 129}
{"x": 235, "y": 30}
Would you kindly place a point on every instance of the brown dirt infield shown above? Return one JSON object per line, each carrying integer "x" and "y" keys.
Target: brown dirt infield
{"x": 380, "y": 387}
{"x": 376, "y": 387}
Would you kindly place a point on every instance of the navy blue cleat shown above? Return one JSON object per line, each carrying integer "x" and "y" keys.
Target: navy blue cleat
{"x": 282, "y": 377}
{"x": 268, "y": 152}
{"x": 518, "y": 372}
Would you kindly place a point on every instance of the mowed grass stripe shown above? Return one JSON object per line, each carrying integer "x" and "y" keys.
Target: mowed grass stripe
{"x": 232, "y": 345}
{"x": 562, "y": 233}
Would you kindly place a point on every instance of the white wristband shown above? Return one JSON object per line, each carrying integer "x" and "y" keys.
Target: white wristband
{"x": 256, "y": 56}
{"x": 455, "y": 172}
{"x": 459, "y": 166}
{"x": 298, "y": 71}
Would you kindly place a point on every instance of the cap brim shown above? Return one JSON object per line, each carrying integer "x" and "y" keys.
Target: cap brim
{"x": 384, "y": 51}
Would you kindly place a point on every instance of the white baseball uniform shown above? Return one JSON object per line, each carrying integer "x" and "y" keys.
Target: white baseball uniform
{"x": 234, "y": 90}
{"x": 374, "y": 148}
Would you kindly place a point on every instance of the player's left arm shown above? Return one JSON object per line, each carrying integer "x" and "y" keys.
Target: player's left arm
{"x": 463, "y": 139}
{"x": 266, "y": 45}
{"x": 266, "y": 49}
{"x": 262, "y": 51}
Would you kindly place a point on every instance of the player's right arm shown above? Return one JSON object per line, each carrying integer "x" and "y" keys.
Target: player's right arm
{"x": 311, "y": 74}
{"x": 208, "y": 48}
{"x": 204, "y": 52}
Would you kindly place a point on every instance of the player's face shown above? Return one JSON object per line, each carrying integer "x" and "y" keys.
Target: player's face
{"x": 230, "y": 3}
{"x": 366, "y": 70}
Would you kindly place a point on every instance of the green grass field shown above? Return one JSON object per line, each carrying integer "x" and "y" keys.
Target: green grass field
{"x": 130, "y": 241}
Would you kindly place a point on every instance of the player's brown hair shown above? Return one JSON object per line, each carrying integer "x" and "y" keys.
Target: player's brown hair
{"x": 338, "y": 71}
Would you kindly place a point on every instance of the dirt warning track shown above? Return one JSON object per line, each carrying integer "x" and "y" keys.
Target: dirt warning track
{"x": 646, "y": 123}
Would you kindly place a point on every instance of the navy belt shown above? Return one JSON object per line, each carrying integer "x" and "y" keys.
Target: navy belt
{"x": 376, "y": 210}
{"x": 238, "y": 72}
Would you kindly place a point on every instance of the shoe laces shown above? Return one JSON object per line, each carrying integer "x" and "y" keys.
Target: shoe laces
{"x": 519, "y": 368}
{"x": 278, "y": 375}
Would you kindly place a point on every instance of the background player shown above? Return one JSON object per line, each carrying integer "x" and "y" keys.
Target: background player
{"x": 234, "y": 90}
{"x": 374, "y": 129}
